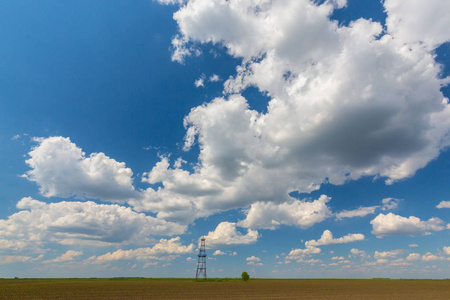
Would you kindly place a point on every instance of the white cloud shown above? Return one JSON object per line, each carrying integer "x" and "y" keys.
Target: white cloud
{"x": 321, "y": 79}
{"x": 168, "y": 2}
{"x": 327, "y": 239}
{"x": 299, "y": 254}
{"x": 252, "y": 263}
{"x": 447, "y": 250}
{"x": 388, "y": 254}
{"x": 443, "y": 204}
{"x": 389, "y": 203}
{"x": 10, "y": 259}
{"x": 253, "y": 258}
{"x": 214, "y": 78}
{"x": 431, "y": 257}
{"x": 200, "y": 82}
{"x": 61, "y": 169}
{"x": 414, "y": 256}
{"x": 226, "y": 234}
{"x": 219, "y": 252}
{"x": 165, "y": 249}
{"x": 337, "y": 258}
{"x": 400, "y": 262}
{"x": 413, "y": 245}
{"x": 73, "y": 223}
{"x": 391, "y": 224}
{"x": 311, "y": 261}
{"x": 303, "y": 214}
{"x": 359, "y": 212}
{"x": 358, "y": 253}
{"x": 424, "y": 21}
{"x": 70, "y": 255}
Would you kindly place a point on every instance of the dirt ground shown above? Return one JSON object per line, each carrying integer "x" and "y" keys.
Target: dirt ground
{"x": 223, "y": 289}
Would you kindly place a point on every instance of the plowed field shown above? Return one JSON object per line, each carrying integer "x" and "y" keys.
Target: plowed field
{"x": 226, "y": 289}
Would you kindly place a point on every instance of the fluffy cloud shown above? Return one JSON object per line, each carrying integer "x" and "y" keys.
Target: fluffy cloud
{"x": 62, "y": 169}
{"x": 414, "y": 256}
{"x": 70, "y": 255}
{"x": 337, "y": 258}
{"x": 431, "y": 257}
{"x": 391, "y": 224}
{"x": 359, "y": 212}
{"x": 419, "y": 21}
{"x": 226, "y": 234}
{"x": 327, "y": 239}
{"x": 447, "y": 250}
{"x": 253, "y": 258}
{"x": 303, "y": 214}
{"x": 10, "y": 259}
{"x": 358, "y": 253}
{"x": 79, "y": 223}
{"x": 165, "y": 249}
{"x": 252, "y": 263}
{"x": 389, "y": 203}
{"x": 200, "y": 82}
{"x": 214, "y": 78}
{"x": 443, "y": 204}
{"x": 388, "y": 254}
{"x": 219, "y": 252}
{"x": 300, "y": 254}
{"x": 321, "y": 79}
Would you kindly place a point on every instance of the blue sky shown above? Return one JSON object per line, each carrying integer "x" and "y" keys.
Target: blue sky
{"x": 303, "y": 139}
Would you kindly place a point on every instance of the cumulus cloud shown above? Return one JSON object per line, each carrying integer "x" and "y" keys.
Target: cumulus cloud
{"x": 214, "y": 78}
{"x": 73, "y": 223}
{"x": 70, "y": 255}
{"x": 252, "y": 263}
{"x": 358, "y": 253}
{"x": 300, "y": 254}
{"x": 419, "y": 21}
{"x": 391, "y": 224}
{"x": 61, "y": 169}
{"x": 443, "y": 204}
{"x": 447, "y": 250}
{"x": 414, "y": 256}
{"x": 359, "y": 212}
{"x": 164, "y": 250}
{"x": 337, "y": 258}
{"x": 253, "y": 258}
{"x": 219, "y": 252}
{"x": 389, "y": 203}
{"x": 269, "y": 215}
{"x": 200, "y": 82}
{"x": 327, "y": 239}
{"x": 10, "y": 259}
{"x": 172, "y": 2}
{"x": 388, "y": 254}
{"x": 321, "y": 79}
{"x": 431, "y": 257}
{"x": 226, "y": 234}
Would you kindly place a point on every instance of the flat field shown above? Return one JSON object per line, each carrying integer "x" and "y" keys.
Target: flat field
{"x": 223, "y": 289}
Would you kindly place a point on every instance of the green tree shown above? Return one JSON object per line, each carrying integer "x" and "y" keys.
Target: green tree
{"x": 245, "y": 276}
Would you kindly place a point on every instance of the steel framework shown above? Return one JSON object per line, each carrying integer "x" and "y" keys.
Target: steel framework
{"x": 201, "y": 264}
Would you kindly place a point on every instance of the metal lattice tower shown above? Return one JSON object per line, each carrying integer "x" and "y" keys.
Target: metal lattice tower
{"x": 201, "y": 264}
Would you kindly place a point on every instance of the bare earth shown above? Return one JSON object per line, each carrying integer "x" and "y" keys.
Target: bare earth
{"x": 223, "y": 289}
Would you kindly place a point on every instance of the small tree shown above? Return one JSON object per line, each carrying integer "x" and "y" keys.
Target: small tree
{"x": 245, "y": 276}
